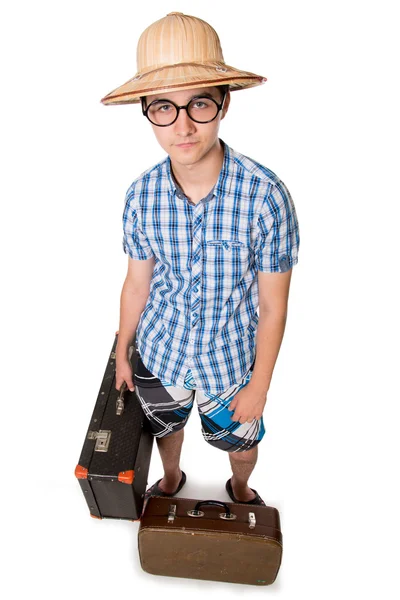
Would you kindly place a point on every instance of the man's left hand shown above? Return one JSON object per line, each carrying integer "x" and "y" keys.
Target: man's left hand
{"x": 248, "y": 404}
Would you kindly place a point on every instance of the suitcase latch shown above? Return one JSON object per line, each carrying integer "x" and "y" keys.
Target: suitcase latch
{"x": 102, "y": 438}
{"x": 171, "y": 513}
{"x": 252, "y": 520}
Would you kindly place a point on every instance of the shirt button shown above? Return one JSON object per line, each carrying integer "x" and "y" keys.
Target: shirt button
{"x": 195, "y": 289}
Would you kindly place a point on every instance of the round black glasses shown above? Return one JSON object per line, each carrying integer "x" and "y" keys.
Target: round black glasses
{"x": 201, "y": 109}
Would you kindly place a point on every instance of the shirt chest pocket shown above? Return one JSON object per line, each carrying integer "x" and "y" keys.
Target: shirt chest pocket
{"x": 227, "y": 245}
{"x": 222, "y": 252}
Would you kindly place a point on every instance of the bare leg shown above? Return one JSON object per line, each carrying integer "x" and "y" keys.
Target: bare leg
{"x": 170, "y": 452}
{"x": 242, "y": 464}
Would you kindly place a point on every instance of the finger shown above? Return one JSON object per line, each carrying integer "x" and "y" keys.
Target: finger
{"x": 130, "y": 385}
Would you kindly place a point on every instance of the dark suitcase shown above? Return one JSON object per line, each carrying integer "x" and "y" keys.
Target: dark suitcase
{"x": 209, "y": 539}
{"x": 115, "y": 459}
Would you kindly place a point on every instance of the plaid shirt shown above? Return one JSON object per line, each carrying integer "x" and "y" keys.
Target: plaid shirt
{"x": 201, "y": 313}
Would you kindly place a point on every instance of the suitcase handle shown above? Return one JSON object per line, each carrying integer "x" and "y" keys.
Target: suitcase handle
{"x": 212, "y": 503}
{"x": 228, "y": 515}
{"x": 120, "y": 404}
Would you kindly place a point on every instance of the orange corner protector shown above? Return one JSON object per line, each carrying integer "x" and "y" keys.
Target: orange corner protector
{"x": 95, "y": 517}
{"x": 81, "y": 472}
{"x": 126, "y": 476}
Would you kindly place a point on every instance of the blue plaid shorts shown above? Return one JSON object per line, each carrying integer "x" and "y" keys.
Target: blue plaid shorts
{"x": 168, "y": 408}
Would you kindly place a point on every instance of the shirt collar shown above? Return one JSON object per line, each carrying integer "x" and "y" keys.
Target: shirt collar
{"x": 224, "y": 182}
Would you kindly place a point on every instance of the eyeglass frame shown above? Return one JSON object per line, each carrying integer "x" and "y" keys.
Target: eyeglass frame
{"x": 185, "y": 106}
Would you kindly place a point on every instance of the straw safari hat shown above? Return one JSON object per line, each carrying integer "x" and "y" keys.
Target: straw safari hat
{"x": 176, "y": 53}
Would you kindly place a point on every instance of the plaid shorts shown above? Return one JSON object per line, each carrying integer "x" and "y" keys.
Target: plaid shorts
{"x": 168, "y": 408}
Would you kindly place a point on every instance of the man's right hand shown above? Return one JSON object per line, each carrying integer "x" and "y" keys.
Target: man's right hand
{"x": 124, "y": 373}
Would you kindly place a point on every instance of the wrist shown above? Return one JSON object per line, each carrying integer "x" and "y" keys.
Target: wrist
{"x": 122, "y": 351}
{"x": 258, "y": 386}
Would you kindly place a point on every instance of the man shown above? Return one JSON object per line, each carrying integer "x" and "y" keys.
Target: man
{"x": 211, "y": 235}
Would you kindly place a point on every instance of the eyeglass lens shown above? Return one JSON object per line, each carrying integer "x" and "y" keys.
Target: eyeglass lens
{"x": 162, "y": 112}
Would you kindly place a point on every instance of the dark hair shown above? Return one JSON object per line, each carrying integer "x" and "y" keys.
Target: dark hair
{"x": 224, "y": 88}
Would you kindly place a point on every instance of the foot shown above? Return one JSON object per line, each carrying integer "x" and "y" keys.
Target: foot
{"x": 242, "y": 494}
{"x": 169, "y": 485}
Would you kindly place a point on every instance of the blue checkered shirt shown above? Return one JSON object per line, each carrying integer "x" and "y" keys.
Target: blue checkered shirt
{"x": 201, "y": 313}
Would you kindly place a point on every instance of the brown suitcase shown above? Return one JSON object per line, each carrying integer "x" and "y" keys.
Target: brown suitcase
{"x": 209, "y": 539}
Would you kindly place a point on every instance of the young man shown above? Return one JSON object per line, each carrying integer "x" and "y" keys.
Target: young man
{"x": 211, "y": 235}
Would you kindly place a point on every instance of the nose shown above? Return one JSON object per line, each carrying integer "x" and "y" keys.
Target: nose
{"x": 184, "y": 124}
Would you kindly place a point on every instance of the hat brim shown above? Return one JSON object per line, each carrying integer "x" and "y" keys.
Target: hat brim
{"x": 180, "y": 77}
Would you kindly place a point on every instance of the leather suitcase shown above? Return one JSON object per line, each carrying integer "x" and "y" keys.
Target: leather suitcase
{"x": 209, "y": 539}
{"x": 115, "y": 458}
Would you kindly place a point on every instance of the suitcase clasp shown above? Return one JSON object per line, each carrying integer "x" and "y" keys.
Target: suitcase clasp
{"x": 252, "y": 520}
{"x": 102, "y": 438}
{"x": 171, "y": 513}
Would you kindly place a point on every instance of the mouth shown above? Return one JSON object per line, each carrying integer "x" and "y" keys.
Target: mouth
{"x": 186, "y": 145}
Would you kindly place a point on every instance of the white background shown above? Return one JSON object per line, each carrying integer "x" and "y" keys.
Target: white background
{"x": 327, "y": 124}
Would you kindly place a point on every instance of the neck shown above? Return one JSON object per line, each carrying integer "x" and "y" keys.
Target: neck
{"x": 199, "y": 178}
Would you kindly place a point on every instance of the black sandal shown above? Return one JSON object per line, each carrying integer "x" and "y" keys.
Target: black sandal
{"x": 154, "y": 490}
{"x": 257, "y": 500}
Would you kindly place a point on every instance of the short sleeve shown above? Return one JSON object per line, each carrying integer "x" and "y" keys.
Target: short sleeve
{"x": 278, "y": 236}
{"x": 135, "y": 242}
